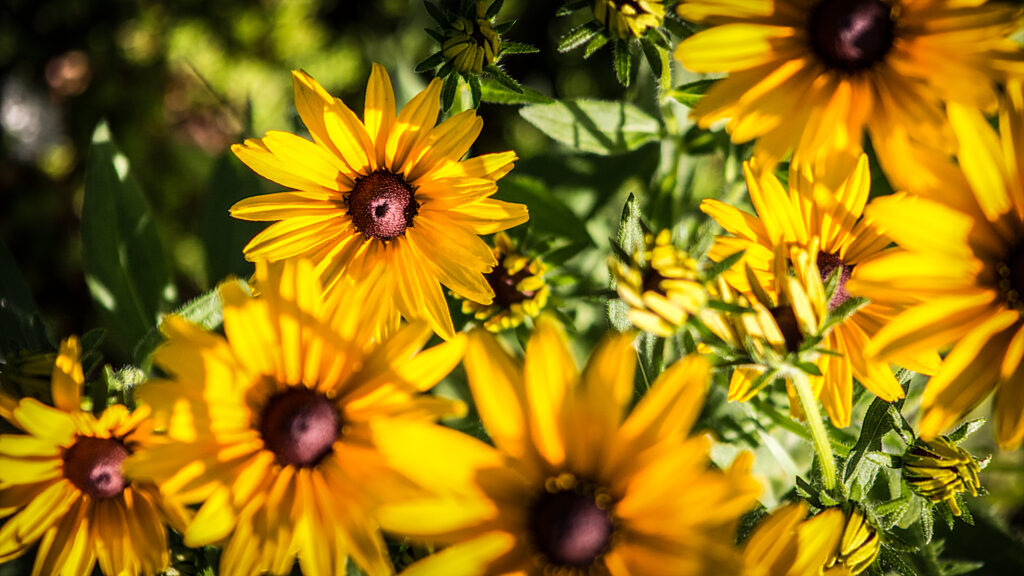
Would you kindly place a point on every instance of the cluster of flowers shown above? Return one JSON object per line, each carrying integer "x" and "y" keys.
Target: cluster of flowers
{"x": 306, "y": 428}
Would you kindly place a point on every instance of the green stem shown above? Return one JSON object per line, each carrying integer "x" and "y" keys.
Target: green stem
{"x": 819, "y": 436}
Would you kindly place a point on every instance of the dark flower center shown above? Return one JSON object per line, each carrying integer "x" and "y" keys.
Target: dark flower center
{"x": 504, "y": 285}
{"x": 1011, "y": 280}
{"x": 382, "y": 205}
{"x": 299, "y": 426}
{"x": 851, "y": 35}
{"x": 93, "y": 465}
{"x": 569, "y": 528}
{"x": 827, "y": 264}
{"x": 788, "y": 325}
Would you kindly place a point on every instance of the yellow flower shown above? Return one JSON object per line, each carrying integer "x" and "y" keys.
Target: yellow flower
{"x": 660, "y": 284}
{"x": 964, "y": 252}
{"x": 627, "y": 19}
{"x": 785, "y": 544}
{"x": 519, "y": 288}
{"x": 270, "y": 423}
{"x": 63, "y": 486}
{"x": 573, "y": 485}
{"x": 813, "y": 213}
{"x": 859, "y": 546}
{"x": 470, "y": 45}
{"x": 385, "y": 201}
{"x": 940, "y": 470}
{"x": 811, "y": 75}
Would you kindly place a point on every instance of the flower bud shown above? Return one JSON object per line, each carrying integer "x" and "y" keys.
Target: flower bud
{"x": 939, "y": 470}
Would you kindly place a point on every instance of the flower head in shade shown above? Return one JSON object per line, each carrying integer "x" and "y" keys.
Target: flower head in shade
{"x": 519, "y": 288}
{"x": 940, "y": 470}
{"x": 627, "y": 19}
{"x": 63, "y": 484}
{"x": 963, "y": 251}
{"x": 574, "y": 484}
{"x": 660, "y": 283}
{"x": 812, "y": 75}
{"x": 387, "y": 200}
{"x": 270, "y": 423}
{"x": 788, "y": 544}
{"x": 809, "y": 213}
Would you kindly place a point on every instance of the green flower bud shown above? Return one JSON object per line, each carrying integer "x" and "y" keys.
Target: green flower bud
{"x": 470, "y": 45}
{"x": 627, "y": 19}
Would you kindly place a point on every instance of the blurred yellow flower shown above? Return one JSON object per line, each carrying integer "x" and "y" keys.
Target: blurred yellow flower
{"x": 811, "y": 75}
{"x": 63, "y": 486}
{"x": 964, "y": 252}
{"x": 385, "y": 201}
{"x": 573, "y": 485}
{"x": 785, "y": 544}
{"x": 270, "y": 423}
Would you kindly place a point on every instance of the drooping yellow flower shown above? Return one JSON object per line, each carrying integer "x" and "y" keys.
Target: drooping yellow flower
{"x": 811, "y": 75}
{"x": 661, "y": 285}
{"x": 62, "y": 484}
{"x": 270, "y": 423}
{"x": 811, "y": 213}
{"x": 573, "y": 485}
{"x": 860, "y": 544}
{"x": 964, "y": 252}
{"x": 519, "y": 288}
{"x": 627, "y": 19}
{"x": 785, "y": 544}
{"x": 386, "y": 200}
{"x": 940, "y": 470}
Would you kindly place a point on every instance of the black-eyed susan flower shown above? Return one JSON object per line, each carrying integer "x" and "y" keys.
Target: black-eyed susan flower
{"x": 660, "y": 283}
{"x": 520, "y": 290}
{"x": 787, "y": 543}
{"x": 573, "y": 484}
{"x": 860, "y": 544}
{"x": 812, "y": 212}
{"x": 963, "y": 246}
{"x": 269, "y": 423}
{"x": 63, "y": 485}
{"x": 386, "y": 201}
{"x": 627, "y": 19}
{"x": 940, "y": 470}
{"x": 812, "y": 75}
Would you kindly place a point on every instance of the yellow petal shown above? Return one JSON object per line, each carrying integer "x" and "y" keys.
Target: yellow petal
{"x": 379, "y": 110}
{"x": 496, "y": 382}
{"x": 471, "y": 557}
{"x": 214, "y": 521}
{"x": 731, "y": 47}
{"x": 980, "y": 158}
{"x": 67, "y": 376}
{"x": 550, "y": 373}
{"x": 413, "y": 123}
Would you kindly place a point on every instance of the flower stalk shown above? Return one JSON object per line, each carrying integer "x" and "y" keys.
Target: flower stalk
{"x": 819, "y": 436}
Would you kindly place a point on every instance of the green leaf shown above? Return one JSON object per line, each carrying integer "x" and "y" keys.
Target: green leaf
{"x": 629, "y": 239}
{"x": 206, "y": 311}
{"x": 548, "y": 214}
{"x": 509, "y": 47}
{"x": 571, "y": 6}
{"x": 125, "y": 267}
{"x": 595, "y": 126}
{"x": 717, "y": 268}
{"x": 496, "y": 93}
{"x": 451, "y": 83}
{"x": 876, "y": 424}
{"x": 502, "y": 78}
{"x": 435, "y": 35}
{"x": 580, "y": 35}
{"x": 966, "y": 429}
{"x": 21, "y": 327}
{"x": 623, "y": 62}
{"x": 690, "y": 93}
{"x": 493, "y": 9}
{"x": 224, "y": 237}
{"x": 437, "y": 13}
{"x": 430, "y": 62}
{"x": 504, "y": 27}
{"x": 474, "y": 90}
{"x": 595, "y": 44}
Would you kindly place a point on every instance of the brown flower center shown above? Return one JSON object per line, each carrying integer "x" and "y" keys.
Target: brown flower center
{"x": 504, "y": 285}
{"x": 827, "y": 264}
{"x": 93, "y": 465}
{"x": 382, "y": 205}
{"x": 1011, "y": 280}
{"x": 569, "y": 528}
{"x": 851, "y": 35}
{"x": 299, "y": 426}
{"x": 788, "y": 325}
